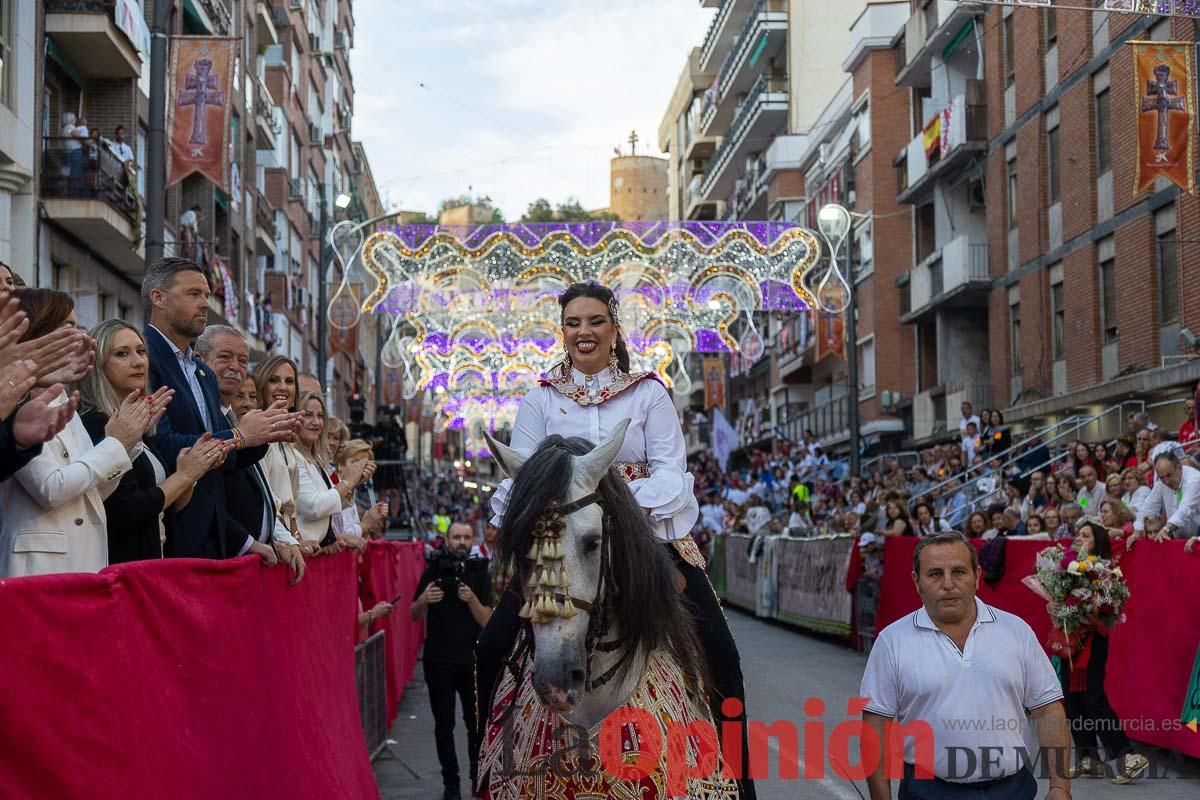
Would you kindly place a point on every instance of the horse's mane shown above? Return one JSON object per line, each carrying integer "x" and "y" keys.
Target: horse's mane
{"x": 649, "y": 610}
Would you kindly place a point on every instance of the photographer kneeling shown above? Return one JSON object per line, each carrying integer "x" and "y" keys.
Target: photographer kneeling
{"x": 456, "y": 593}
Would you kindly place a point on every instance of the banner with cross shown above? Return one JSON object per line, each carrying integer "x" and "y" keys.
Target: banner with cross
{"x": 1164, "y": 80}
{"x": 199, "y": 107}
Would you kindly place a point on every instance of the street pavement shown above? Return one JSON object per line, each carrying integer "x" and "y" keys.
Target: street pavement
{"x": 783, "y": 668}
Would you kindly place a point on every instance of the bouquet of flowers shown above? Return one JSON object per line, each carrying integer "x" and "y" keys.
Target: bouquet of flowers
{"x": 1085, "y": 589}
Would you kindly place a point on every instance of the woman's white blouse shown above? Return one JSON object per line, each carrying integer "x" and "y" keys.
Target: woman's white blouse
{"x": 654, "y": 437}
{"x": 316, "y": 503}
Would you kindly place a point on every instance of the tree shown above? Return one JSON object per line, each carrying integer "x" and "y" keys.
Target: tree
{"x": 572, "y": 210}
{"x": 539, "y": 211}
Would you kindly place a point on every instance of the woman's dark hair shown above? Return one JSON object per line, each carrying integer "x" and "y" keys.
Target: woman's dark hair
{"x": 639, "y": 565}
{"x": 987, "y": 522}
{"x": 605, "y": 295}
{"x": 1102, "y": 547}
{"x": 47, "y": 310}
{"x": 997, "y": 418}
{"x": 1041, "y": 522}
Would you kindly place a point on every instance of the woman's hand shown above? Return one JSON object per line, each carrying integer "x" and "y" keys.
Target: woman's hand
{"x": 308, "y": 547}
{"x": 353, "y": 475}
{"x": 1053, "y": 608}
{"x": 129, "y": 423}
{"x": 205, "y": 455}
{"x": 355, "y": 543}
{"x": 16, "y": 382}
{"x": 158, "y": 405}
{"x": 1191, "y": 543}
{"x": 381, "y": 610}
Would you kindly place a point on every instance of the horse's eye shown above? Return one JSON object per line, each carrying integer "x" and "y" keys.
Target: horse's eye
{"x": 591, "y": 544}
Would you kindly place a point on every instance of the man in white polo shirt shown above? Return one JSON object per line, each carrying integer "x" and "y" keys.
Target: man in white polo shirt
{"x": 975, "y": 675}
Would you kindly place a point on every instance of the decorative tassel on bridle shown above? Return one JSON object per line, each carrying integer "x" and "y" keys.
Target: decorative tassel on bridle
{"x": 548, "y": 596}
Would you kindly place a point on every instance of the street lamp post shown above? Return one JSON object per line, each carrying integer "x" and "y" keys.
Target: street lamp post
{"x": 834, "y": 222}
{"x": 342, "y": 202}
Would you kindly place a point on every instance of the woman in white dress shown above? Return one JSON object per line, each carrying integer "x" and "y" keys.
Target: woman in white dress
{"x": 587, "y": 396}
{"x": 318, "y": 500}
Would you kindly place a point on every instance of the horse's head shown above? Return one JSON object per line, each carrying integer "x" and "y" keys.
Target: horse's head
{"x": 562, "y": 537}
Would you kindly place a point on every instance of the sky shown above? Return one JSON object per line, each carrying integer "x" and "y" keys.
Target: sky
{"x": 512, "y": 99}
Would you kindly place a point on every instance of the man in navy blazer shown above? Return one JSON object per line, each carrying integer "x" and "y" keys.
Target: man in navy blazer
{"x": 176, "y": 292}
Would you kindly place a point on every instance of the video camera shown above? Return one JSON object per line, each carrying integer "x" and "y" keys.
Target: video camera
{"x": 452, "y": 569}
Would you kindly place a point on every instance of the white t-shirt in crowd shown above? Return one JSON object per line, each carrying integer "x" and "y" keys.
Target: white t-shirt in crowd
{"x": 962, "y": 424}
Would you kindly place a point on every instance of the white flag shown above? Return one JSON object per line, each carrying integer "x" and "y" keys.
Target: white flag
{"x": 724, "y": 438}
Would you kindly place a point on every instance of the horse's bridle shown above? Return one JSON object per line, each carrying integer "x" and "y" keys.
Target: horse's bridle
{"x": 597, "y": 606}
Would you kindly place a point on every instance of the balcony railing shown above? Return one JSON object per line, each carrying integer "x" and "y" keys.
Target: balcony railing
{"x": 78, "y": 169}
{"x": 263, "y": 215}
{"x": 762, "y": 86}
{"x": 739, "y": 46}
{"x": 966, "y": 124}
{"x": 714, "y": 29}
{"x": 960, "y": 262}
{"x": 824, "y": 420}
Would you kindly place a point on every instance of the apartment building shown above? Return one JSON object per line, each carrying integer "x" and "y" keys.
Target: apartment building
{"x": 18, "y": 142}
{"x": 1090, "y": 303}
{"x": 310, "y": 168}
{"x": 729, "y": 133}
{"x": 847, "y": 158}
{"x": 941, "y": 178}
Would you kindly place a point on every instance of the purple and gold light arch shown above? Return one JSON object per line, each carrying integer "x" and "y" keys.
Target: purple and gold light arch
{"x": 474, "y": 311}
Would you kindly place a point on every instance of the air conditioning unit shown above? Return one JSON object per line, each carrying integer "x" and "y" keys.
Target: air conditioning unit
{"x": 301, "y": 297}
{"x": 314, "y": 134}
{"x": 340, "y": 40}
{"x": 314, "y": 43}
{"x": 296, "y": 4}
{"x": 295, "y": 188}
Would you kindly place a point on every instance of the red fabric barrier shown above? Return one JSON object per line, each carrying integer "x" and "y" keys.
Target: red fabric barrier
{"x": 391, "y": 570}
{"x": 1151, "y": 654}
{"x": 182, "y": 679}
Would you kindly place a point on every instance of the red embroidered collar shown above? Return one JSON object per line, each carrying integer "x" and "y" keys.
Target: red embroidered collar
{"x": 567, "y": 387}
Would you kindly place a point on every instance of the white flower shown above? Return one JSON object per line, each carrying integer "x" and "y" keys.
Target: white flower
{"x": 1073, "y": 568}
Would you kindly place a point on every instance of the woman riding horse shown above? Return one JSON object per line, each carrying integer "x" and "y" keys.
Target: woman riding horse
{"x": 590, "y": 393}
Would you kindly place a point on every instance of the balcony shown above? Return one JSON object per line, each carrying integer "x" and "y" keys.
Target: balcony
{"x": 963, "y": 135}
{"x": 829, "y": 421}
{"x": 936, "y": 412}
{"x": 86, "y": 190}
{"x": 87, "y": 33}
{"x": 265, "y": 32}
{"x": 264, "y": 226}
{"x": 930, "y": 31}
{"x": 760, "y": 118}
{"x": 698, "y": 207}
{"x": 763, "y": 38}
{"x": 956, "y": 276}
{"x": 266, "y": 125}
{"x": 719, "y": 38}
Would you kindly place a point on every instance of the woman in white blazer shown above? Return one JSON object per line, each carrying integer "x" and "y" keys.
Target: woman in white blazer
{"x": 318, "y": 500}
{"x": 54, "y": 517}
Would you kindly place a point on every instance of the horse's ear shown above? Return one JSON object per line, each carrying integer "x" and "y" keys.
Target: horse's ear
{"x": 592, "y": 467}
{"x": 510, "y": 460}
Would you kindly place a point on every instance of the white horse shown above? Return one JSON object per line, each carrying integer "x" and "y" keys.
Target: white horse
{"x": 608, "y": 630}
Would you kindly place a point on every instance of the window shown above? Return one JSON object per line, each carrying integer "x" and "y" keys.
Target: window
{"x": 1051, "y": 27}
{"x": 140, "y": 153}
{"x": 862, "y": 125}
{"x": 1053, "y": 166}
{"x": 1058, "y": 316}
{"x": 294, "y": 157}
{"x": 866, "y": 366}
{"x": 1014, "y": 336}
{"x": 6, "y": 52}
{"x": 1108, "y": 300}
{"x": 1168, "y": 279}
{"x": 1103, "y": 133}
{"x": 1011, "y": 207}
{"x": 1007, "y": 33}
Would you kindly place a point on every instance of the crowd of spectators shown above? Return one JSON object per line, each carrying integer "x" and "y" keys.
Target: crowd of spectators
{"x": 121, "y": 444}
{"x": 987, "y": 483}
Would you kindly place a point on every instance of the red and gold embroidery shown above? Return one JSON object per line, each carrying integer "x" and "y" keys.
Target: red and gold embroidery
{"x": 579, "y": 394}
{"x": 632, "y": 471}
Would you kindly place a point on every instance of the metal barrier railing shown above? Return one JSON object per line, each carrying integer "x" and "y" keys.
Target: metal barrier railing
{"x": 866, "y": 602}
{"x": 975, "y": 503}
{"x": 1081, "y": 424}
{"x": 1011, "y": 452}
{"x": 370, "y": 677}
